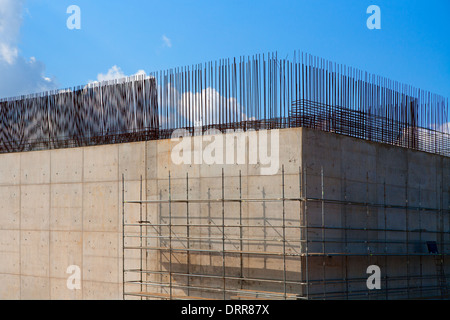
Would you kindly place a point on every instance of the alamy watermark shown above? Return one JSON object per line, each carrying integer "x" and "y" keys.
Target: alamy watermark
{"x": 374, "y": 280}
{"x": 374, "y": 21}
{"x": 234, "y": 147}
{"x": 74, "y": 20}
{"x": 74, "y": 280}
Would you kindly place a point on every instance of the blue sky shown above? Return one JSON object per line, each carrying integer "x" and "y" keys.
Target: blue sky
{"x": 413, "y": 45}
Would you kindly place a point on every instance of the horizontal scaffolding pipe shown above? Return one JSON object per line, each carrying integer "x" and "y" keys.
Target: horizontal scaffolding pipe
{"x": 193, "y": 275}
{"x": 288, "y": 241}
{"x": 210, "y": 289}
{"x": 328, "y": 201}
{"x": 311, "y": 282}
{"x": 423, "y": 231}
{"x": 265, "y": 253}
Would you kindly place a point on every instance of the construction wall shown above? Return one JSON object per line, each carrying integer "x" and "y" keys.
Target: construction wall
{"x": 64, "y": 207}
{"x": 398, "y": 199}
{"x": 348, "y": 204}
{"x": 60, "y": 208}
{"x": 209, "y": 218}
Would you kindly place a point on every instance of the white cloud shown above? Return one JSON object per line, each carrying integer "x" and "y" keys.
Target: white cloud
{"x": 7, "y": 53}
{"x": 202, "y": 108}
{"x": 140, "y": 72}
{"x": 18, "y": 75}
{"x": 205, "y": 107}
{"x": 23, "y": 77}
{"x": 167, "y": 42}
{"x": 10, "y": 21}
{"x": 113, "y": 73}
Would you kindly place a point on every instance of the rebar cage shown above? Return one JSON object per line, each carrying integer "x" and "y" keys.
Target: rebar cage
{"x": 255, "y": 92}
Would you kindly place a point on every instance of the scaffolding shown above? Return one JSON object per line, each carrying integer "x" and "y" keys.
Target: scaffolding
{"x": 233, "y": 246}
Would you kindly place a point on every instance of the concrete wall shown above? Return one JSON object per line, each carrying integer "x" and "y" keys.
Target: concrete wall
{"x": 205, "y": 182}
{"x": 64, "y": 207}
{"x": 60, "y": 208}
{"x": 367, "y": 172}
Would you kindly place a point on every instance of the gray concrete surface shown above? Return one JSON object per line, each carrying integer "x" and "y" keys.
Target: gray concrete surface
{"x": 64, "y": 207}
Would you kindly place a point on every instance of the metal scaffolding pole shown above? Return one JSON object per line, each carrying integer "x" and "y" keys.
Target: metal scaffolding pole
{"x": 188, "y": 233}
